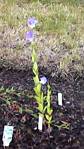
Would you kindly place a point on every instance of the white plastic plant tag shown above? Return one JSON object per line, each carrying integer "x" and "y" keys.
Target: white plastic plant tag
{"x": 60, "y": 99}
{"x": 7, "y": 135}
{"x": 40, "y": 123}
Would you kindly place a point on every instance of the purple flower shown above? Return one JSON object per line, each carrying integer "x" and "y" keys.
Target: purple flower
{"x": 32, "y": 22}
{"x": 29, "y": 36}
{"x": 43, "y": 80}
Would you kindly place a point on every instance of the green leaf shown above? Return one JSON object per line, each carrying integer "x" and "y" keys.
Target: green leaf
{"x": 49, "y": 120}
{"x": 40, "y": 107}
{"x": 48, "y": 94}
{"x": 34, "y": 56}
{"x": 45, "y": 109}
{"x": 35, "y": 68}
{"x": 1, "y": 89}
{"x": 50, "y": 113}
{"x": 42, "y": 98}
{"x": 37, "y": 99}
{"x": 37, "y": 89}
{"x": 7, "y": 90}
{"x": 47, "y": 116}
{"x": 36, "y": 79}
{"x": 49, "y": 110}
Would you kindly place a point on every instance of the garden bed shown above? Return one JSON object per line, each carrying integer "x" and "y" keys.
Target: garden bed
{"x": 17, "y": 108}
{"x": 60, "y": 51}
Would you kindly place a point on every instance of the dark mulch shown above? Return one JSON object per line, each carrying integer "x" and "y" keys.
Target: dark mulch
{"x": 68, "y": 125}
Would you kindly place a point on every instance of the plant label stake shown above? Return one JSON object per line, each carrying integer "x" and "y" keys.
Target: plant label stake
{"x": 7, "y": 135}
{"x": 60, "y": 99}
{"x": 40, "y": 123}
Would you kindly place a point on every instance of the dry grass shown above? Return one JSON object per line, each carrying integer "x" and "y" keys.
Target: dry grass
{"x": 60, "y": 23}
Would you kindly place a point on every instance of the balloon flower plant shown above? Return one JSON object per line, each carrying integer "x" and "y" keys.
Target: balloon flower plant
{"x": 44, "y": 110}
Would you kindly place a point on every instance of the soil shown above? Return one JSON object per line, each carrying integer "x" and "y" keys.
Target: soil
{"x": 67, "y": 129}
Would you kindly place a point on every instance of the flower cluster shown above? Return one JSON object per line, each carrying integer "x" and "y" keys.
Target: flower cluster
{"x": 31, "y": 24}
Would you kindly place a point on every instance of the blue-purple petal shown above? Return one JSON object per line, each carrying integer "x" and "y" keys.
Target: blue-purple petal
{"x": 43, "y": 80}
{"x": 29, "y": 36}
{"x": 32, "y": 22}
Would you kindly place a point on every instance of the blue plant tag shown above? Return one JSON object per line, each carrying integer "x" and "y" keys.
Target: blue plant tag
{"x": 7, "y": 135}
